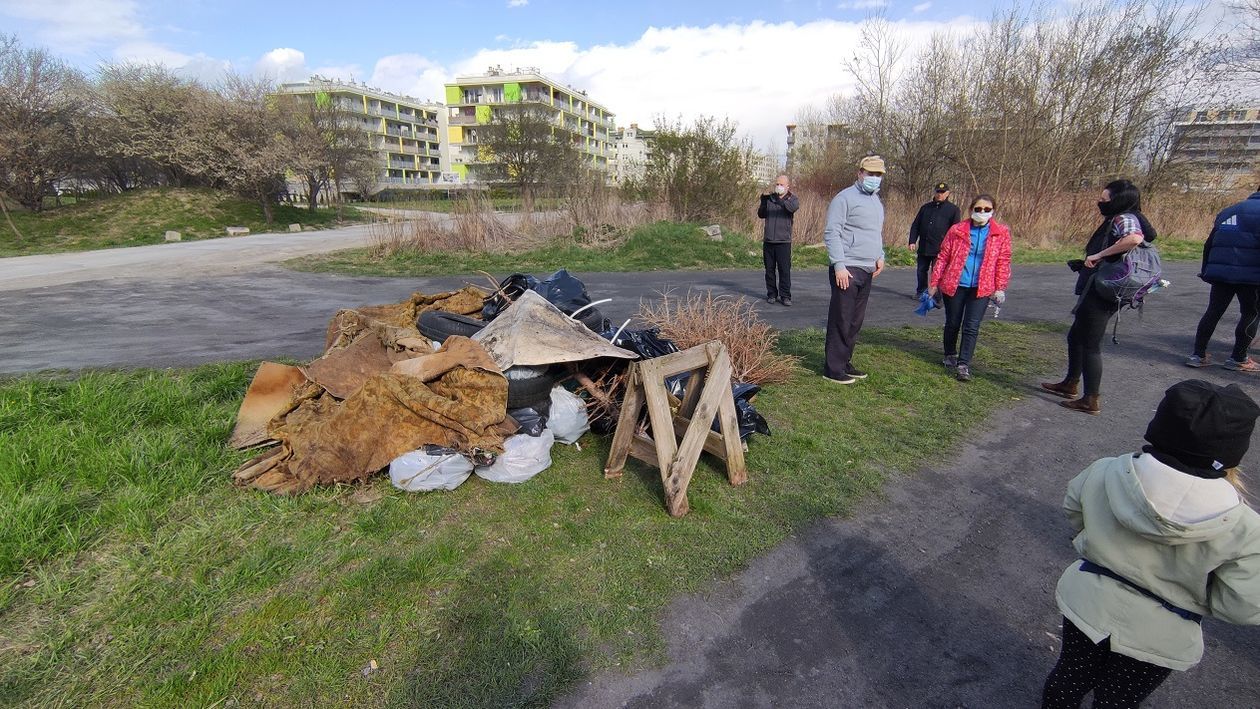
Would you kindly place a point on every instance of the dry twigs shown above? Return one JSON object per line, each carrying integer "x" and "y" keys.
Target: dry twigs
{"x": 701, "y": 317}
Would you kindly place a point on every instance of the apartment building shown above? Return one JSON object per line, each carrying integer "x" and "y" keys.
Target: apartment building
{"x": 405, "y": 132}
{"x": 632, "y": 148}
{"x": 1219, "y": 147}
{"x": 472, "y": 101}
{"x": 763, "y": 168}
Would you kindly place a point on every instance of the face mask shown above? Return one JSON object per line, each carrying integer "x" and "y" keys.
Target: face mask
{"x": 870, "y": 183}
{"x": 1104, "y": 209}
{"x": 780, "y": 189}
{"x": 981, "y": 217}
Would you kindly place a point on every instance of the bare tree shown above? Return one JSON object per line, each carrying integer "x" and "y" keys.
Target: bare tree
{"x": 41, "y": 102}
{"x": 524, "y": 146}
{"x": 327, "y": 145}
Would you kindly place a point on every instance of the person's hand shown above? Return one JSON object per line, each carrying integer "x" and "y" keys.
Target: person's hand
{"x": 842, "y": 278}
{"x": 914, "y": 246}
{"x": 879, "y": 268}
{"x": 999, "y": 297}
{"x": 932, "y": 290}
{"x": 1092, "y": 260}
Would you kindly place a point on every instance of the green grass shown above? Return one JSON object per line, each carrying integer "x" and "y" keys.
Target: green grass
{"x": 135, "y": 574}
{"x": 143, "y": 217}
{"x": 663, "y": 246}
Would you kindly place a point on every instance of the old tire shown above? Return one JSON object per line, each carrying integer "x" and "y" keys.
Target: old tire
{"x": 439, "y": 325}
{"x": 526, "y": 392}
{"x": 592, "y": 319}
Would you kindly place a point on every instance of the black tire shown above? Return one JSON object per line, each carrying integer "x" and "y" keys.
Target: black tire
{"x": 523, "y": 393}
{"x": 592, "y": 318}
{"x": 439, "y": 325}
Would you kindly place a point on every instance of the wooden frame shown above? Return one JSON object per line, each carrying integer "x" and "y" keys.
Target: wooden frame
{"x": 708, "y": 395}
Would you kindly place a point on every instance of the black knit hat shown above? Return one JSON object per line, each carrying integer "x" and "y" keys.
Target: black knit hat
{"x": 1204, "y": 427}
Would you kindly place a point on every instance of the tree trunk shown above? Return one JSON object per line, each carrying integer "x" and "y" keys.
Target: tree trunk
{"x": 312, "y": 193}
{"x": 266, "y": 206}
{"x": 4, "y": 208}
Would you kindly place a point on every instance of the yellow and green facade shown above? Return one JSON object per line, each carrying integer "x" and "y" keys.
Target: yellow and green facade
{"x": 471, "y": 101}
{"x": 407, "y": 134}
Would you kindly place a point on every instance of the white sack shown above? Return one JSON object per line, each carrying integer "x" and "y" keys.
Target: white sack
{"x": 421, "y": 471}
{"x": 568, "y": 419}
{"x": 523, "y": 457}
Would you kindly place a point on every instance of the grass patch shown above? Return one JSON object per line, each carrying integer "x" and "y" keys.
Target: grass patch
{"x": 143, "y": 217}
{"x": 136, "y": 575}
{"x": 662, "y": 246}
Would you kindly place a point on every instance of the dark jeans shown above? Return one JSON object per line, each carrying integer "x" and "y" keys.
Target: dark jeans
{"x": 923, "y": 268}
{"x": 1116, "y": 680}
{"x": 1084, "y": 339}
{"x": 778, "y": 260}
{"x": 1218, "y": 302}
{"x": 844, "y": 320}
{"x": 963, "y": 310}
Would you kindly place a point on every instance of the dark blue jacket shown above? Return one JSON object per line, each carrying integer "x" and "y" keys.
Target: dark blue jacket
{"x": 1232, "y": 252}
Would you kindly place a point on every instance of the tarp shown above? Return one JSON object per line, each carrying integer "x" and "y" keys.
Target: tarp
{"x": 534, "y": 332}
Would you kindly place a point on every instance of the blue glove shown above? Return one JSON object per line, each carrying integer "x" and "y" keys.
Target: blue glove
{"x": 926, "y": 305}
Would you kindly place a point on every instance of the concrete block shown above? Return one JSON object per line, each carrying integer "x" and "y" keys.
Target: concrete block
{"x": 295, "y": 227}
{"x": 237, "y": 231}
{"x": 713, "y": 231}
{"x": 174, "y": 236}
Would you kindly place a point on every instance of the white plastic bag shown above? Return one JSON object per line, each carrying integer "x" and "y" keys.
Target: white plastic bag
{"x": 430, "y": 468}
{"x": 568, "y": 419}
{"x": 523, "y": 457}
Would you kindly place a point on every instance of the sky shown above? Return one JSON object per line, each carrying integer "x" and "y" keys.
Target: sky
{"x": 757, "y": 62}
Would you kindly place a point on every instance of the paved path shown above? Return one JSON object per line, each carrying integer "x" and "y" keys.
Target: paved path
{"x": 940, "y": 595}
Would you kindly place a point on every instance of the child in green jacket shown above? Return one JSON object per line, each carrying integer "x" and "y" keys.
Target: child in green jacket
{"x": 1165, "y": 539}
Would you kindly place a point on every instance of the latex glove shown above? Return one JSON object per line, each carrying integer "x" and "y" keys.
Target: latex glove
{"x": 999, "y": 297}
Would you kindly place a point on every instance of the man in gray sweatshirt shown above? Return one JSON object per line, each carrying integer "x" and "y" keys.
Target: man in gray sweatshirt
{"x": 855, "y": 245}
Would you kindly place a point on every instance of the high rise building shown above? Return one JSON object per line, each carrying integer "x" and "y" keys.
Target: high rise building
{"x": 405, "y": 132}
{"x": 1218, "y": 147}
{"x": 632, "y": 148}
{"x": 472, "y": 102}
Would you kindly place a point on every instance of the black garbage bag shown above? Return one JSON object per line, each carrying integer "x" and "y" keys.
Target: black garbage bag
{"x": 564, "y": 291}
{"x": 646, "y": 343}
{"x": 532, "y": 419}
{"x": 749, "y": 420}
{"x": 510, "y": 289}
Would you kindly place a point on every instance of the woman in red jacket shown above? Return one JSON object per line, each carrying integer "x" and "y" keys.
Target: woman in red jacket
{"x": 974, "y": 265}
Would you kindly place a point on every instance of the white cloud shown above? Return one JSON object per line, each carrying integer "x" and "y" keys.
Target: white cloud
{"x": 410, "y": 75}
{"x": 517, "y": 3}
{"x": 921, "y": 7}
{"x": 862, "y": 5}
{"x": 283, "y": 64}
{"x": 77, "y": 26}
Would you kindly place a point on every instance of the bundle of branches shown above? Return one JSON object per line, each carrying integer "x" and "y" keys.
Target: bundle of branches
{"x": 698, "y": 318}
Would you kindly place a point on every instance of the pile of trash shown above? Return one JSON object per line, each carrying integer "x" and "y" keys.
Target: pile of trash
{"x": 440, "y": 387}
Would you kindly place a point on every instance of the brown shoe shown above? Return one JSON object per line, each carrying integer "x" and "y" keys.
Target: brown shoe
{"x": 1065, "y": 388}
{"x": 1086, "y": 404}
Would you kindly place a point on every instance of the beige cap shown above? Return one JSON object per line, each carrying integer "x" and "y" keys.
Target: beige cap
{"x": 872, "y": 163}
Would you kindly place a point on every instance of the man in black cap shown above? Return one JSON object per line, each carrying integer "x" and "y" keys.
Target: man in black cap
{"x": 928, "y": 230}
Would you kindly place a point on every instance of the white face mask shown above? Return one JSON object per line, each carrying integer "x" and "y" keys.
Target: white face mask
{"x": 780, "y": 189}
{"x": 981, "y": 217}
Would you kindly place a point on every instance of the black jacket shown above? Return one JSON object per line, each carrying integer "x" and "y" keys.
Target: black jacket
{"x": 778, "y": 212}
{"x": 931, "y": 223}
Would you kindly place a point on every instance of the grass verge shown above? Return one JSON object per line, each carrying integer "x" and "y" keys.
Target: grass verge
{"x": 134, "y": 574}
{"x": 144, "y": 216}
{"x": 663, "y": 246}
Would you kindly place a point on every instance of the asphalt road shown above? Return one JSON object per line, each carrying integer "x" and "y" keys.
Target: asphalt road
{"x": 941, "y": 594}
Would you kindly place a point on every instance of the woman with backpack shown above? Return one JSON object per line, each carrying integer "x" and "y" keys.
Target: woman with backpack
{"x": 974, "y": 265}
{"x": 1123, "y": 228}
{"x": 1165, "y": 538}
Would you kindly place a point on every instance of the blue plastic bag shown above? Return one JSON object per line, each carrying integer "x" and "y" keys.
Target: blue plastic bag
{"x": 926, "y": 304}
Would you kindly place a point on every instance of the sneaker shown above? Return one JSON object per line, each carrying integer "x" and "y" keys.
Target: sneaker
{"x": 1197, "y": 361}
{"x": 950, "y": 361}
{"x": 1248, "y": 365}
{"x": 771, "y": 298}
{"x": 963, "y": 374}
{"x": 787, "y": 302}
{"x": 855, "y": 372}
{"x": 846, "y": 379}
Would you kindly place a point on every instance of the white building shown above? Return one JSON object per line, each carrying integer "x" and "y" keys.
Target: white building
{"x": 632, "y": 148}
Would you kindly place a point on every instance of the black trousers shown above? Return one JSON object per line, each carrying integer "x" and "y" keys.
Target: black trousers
{"x": 844, "y": 320}
{"x": 1084, "y": 339}
{"x": 1218, "y": 302}
{"x": 778, "y": 259}
{"x": 1116, "y": 680}
{"x": 963, "y": 310}
{"x": 923, "y": 268}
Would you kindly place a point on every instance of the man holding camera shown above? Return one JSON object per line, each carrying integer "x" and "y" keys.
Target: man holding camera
{"x": 777, "y": 209}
